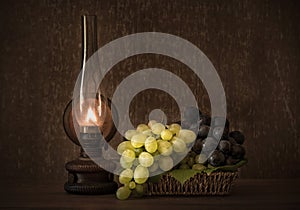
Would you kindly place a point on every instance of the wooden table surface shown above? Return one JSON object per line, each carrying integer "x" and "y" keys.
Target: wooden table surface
{"x": 246, "y": 194}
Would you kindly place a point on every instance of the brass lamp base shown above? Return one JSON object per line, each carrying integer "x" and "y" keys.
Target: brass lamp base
{"x": 86, "y": 177}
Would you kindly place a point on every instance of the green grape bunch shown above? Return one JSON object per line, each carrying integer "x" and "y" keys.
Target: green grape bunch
{"x": 149, "y": 150}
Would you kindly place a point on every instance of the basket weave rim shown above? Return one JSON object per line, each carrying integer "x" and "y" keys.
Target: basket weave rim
{"x": 216, "y": 183}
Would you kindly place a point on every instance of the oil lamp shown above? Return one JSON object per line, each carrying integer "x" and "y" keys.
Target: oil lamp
{"x": 87, "y": 120}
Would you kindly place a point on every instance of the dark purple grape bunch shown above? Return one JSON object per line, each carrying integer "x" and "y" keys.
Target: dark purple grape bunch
{"x": 228, "y": 151}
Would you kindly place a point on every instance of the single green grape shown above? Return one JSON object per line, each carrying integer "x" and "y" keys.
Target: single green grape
{"x": 128, "y": 155}
{"x": 175, "y": 128}
{"x": 138, "y": 140}
{"x": 166, "y": 135}
{"x": 123, "y": 146}
{"x": 140, "y": 174}
{"x": 123, "y": 193}
{"x": 201, "y": 158}
{"x": 198, "y": 167}
{"x": 187, "y": 136}
{"x": 151, "y": 144}
{"x": 183, "y": 153}
{"x": 126, "y": 176}
{"x": 179, "y": 145}
{"x": 164, "y": 147}
{"x": 125, "y": 164}
{"x": 151, "y": 122}
{"x": 130, "y": 133}
{"x": 147, "y": 132}
{"x": 142, "y": 127}
{"x": 157, "y": 128}
{"x": 131, "y": 185}
{"x": 139, "y": 188}
{"x": 146, "y": 159}
{"x": 165, "y": 163}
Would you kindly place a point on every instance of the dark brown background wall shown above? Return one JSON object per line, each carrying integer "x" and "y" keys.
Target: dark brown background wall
{"x": 254, "y": 45}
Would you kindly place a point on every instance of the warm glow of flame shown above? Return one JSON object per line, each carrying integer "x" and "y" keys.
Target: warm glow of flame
{"x": 90, "y": 117}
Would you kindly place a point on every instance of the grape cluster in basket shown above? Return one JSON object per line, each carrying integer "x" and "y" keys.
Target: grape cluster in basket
{"x": 156, "y": 148}
{"x": 152, "y": 148}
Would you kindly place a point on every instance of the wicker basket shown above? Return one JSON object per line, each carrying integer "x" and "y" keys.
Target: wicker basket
{"x": 217, "y": 183}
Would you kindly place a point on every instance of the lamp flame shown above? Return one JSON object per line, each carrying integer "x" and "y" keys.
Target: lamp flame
{"x": 90, "y": 117}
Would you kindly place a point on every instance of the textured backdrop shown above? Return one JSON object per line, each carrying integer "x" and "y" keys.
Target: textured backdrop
{"x": 254, "y": 45}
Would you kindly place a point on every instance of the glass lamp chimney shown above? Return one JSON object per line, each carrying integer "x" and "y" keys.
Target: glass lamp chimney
{"x": 90, "y": 112}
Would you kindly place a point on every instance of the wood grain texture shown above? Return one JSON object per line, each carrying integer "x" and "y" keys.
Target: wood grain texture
{"x": 254, "y": 46}
{"x": 246, "y": 194}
